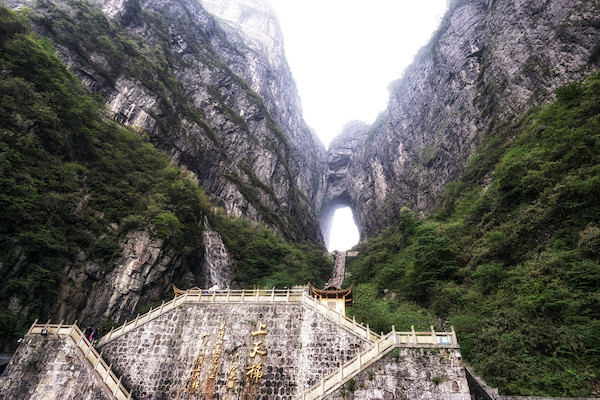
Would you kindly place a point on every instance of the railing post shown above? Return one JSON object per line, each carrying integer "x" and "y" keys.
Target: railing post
{"x": 359, "y": 360}
{"x": 161, "y": 307}
{"x": 112, "y": 328}
{"x": 228, "y": 294}
{"x": 368, "y": 332}
{"x": 98, "y": 360}
{"x": 214, "y": 296}
{"x": 117, "y": 387}
{"x": 322, "y": 385}
{"x": 433, "y": 336}
{"x": 273, "y": 295}
{"x": 394, "y": 333}
{"x": 32, "y": 325}
{"x": 136, "y": 320}
{"x": 354, "y": 323}
{"x": 454, "y": 341}
{"x": 242, "y": 298}
{"x": 258, "y": 295}
{"x": 288, "y": 295}
{"x": 107, "y": 373}
{"x": 59, "y": 325}
{"x": 414, "y": 334}
{"x": 80, "y": 338}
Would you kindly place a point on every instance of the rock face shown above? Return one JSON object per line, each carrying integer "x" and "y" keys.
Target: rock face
{"x": 489, "y": 62}
{"x": 216, "y": 95}
{"x": 340, "y": 157}
{"x": 146, "y": 267}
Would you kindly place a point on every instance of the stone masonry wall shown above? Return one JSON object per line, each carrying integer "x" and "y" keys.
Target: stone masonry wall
{"x": 408, "y": 374}
{"x": 50, "y": 367}
{"x": 160, "y": 357}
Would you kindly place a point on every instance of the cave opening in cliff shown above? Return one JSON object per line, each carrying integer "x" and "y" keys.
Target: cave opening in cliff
{"x": 343, "y": 232}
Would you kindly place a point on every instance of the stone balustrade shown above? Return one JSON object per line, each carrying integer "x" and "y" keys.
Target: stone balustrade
{"x": 243, "y": 296}
{"x": 431, "y": 339}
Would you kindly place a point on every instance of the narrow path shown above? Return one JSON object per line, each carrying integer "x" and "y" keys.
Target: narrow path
{"x": 339, "y": 271}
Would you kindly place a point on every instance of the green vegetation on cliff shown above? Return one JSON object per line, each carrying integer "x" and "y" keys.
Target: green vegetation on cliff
{"x": 512, "y": 258}
{"x": 73, "y": 184}
{"x": 139, "y": 48}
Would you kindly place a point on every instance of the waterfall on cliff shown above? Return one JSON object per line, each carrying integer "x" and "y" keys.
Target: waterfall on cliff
{"x": 217, "y": 262}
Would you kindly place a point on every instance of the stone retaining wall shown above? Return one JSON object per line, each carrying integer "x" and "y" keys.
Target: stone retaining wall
{"x": 301, "y": 345}
{"x": 50, "y": 367}
{"x": 408, "y": 374}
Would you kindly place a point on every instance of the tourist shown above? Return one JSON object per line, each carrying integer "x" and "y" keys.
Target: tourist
{"x": 144, "y": 397}
{"x": 88, "y": 332}
{"x": 94, "y": 336}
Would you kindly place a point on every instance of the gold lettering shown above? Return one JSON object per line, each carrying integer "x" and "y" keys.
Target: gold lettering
{"x": 216, "y": 355}
{"x": 231, "y": 375}
{"x": 256, "y": 349}
{"x": 254, "y": 371}
{"x": 261, "y": 329}
{"x": 197, "y": 371}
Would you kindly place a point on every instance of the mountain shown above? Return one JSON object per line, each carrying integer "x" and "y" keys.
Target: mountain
{"x": 487, "y": 64}
{"x": 223, "y": 106}
{"x": 96, "y": 222}
{"x": 135, "y": 133}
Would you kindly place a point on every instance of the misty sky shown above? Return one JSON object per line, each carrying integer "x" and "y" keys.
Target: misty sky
{"x": 343, "y": 54}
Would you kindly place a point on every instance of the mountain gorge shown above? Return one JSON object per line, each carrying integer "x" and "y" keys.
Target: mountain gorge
{"x": 97, "y": 223}
{"x": 149, "y": 142}
{"x": 488, "y": 63}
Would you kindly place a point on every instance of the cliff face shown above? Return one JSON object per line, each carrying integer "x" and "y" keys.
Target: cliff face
{"x": 489, "y": 62}
{"x": 216, "y": 95}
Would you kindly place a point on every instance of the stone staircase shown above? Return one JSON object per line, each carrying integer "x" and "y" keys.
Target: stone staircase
{"x": 273, "y": 296}
{"x": 113, "y": 387}
{"x": 385, "y": 344}
{"x": 339, "y": 271}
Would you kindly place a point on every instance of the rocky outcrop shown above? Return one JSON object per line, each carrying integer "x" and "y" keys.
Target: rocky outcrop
{"x": 489, "y": 62}
{"x": 340, "y": 157}
{"x": 143, "y": 272}
{"x": 216, "y": 96}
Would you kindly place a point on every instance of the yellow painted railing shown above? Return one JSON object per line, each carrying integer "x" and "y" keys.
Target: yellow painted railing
{"x": 107, "y": 376}
{"x": 272, "y": 296}
{"x": 381, "y": 347}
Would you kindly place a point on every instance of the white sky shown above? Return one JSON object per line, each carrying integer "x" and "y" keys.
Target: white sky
{"x": 343, "y": 54}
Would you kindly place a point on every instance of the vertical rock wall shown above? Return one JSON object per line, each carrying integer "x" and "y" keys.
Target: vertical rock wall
{"x": 489, "y": 62}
